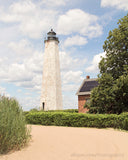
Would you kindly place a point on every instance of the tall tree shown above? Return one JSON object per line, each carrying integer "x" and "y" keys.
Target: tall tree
{"x": 111, "y": 96}
{"x": 116, "y": 48}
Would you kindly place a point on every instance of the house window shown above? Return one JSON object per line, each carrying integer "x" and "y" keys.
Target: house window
{"x": 43, "y": 105}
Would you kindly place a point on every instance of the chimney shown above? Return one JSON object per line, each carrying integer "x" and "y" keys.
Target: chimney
{"x": 87, "y": 77}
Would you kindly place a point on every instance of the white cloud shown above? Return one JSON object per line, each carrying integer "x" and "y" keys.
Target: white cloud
{"x": 29, "y": 102}
{"x": 15, "y": 73}
{"x": 23, "y": 7}
{"x": 72, "y": 77}
{"x": 70, "y": 88}
{"x": 34, "y": 26}
{"x": 11, "y": 33}
{"x": 21, "y": 64}
{"x": 94, "y": 64}
{"x": 22, "y": 76}
{"x": 17, "y": 11}
{"x": 22, "y": 71}
{"x": 78, "y": 21}
{"x": 18, "y": 72}
{"x": 119, "y": 4}
{"x": 27, "y": 71}
{"x": 32, "y": 19}
{"x": 29, "y": 17}
{"x": 19, "y": 90}
{"x": 22, "y": 48}
{"x": 54, "y": 2}
{"x": 28, "y": 74}
{"x": 35, "y": 63}
{"x": 4, "y": 92}
{"x": 75, "y": 41}
{"x": 67, "y": 62}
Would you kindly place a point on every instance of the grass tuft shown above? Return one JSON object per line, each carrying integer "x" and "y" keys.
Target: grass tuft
{"x": 14, "y": 133}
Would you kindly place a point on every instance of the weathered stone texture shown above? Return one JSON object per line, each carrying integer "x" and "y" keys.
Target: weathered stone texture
{"x": 51, "y": 94}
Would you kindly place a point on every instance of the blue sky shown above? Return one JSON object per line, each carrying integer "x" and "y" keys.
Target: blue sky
{"x": 82, "y": 27}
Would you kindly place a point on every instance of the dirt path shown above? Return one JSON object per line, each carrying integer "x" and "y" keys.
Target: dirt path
{"x": 66, "y": 143}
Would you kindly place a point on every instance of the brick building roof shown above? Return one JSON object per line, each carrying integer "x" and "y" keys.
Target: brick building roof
{"x": 87, "y": 86}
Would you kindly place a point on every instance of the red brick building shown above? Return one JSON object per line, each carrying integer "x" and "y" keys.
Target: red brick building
{"x": 84, "y": 93}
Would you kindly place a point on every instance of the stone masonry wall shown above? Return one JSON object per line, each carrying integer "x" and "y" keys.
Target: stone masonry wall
{"x": 51, "y": 84}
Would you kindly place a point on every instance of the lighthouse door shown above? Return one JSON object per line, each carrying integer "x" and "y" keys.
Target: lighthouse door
{"x": 43, "y": 104}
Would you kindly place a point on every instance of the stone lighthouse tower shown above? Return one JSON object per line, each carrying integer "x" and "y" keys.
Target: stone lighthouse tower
{"x": 51, "y": 96}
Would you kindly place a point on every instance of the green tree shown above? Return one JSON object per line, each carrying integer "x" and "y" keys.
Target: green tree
{"x": 120, "y": 90}
{"x": 111, "y": 96}
{"x": 116, "y": 48}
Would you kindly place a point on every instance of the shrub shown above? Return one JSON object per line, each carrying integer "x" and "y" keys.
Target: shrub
{"x": 13, "y": 131}
{"x": 34, "y": 110}
{"x": 65, "y": 110}
{"x": 25, "y": 112}
{"x": 79, "y": 120}
{"x": 49, "y": 111}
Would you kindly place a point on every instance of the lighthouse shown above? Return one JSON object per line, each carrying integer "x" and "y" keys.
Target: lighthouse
{"x": 51, "y": 95}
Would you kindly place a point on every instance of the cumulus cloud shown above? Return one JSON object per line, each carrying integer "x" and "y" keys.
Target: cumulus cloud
{"x": 4, "y": 92}
{"x": 18, "y": 72}
{"x": 28, "y": 102}
{"x": 67, "y": 62}
{"x": 35, "y": 63}
{"x": 78, "y": 21}
{"x": 29, "y": 76}
{"x": 7, "y": 34}
{"x": 94, "y": 64}
{"x": 119, "y": 4}
{"x": 32, "y": 19}
{"x": 20, "y": 75}
{"x": 17, "y": 11}
{"x": 25, "y": 69}
{"x": 75, "y": 41}
{"x": 70, "y": 88}
{"x": 54, "y": 2}
{"x": 26, "y": 75}
{"x": 23, "y": 7}
{"x": 21, "y": 48}
{"x": 21, "y": 63}
{"x": 29, "y": 17}
{"x": 72, "y": 77}
{"x": 71, "y": 73}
